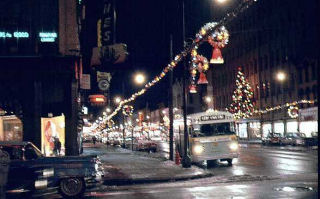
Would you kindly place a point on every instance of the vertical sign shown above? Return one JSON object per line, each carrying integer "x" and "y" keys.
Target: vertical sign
{"x": 108, "y": 23}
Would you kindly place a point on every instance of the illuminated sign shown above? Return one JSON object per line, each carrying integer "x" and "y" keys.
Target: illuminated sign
{"x": 21, "y": 34}
{"x": 15, "y": 34}
{"x": 5, "y": 35}
{"x": 48, "y": 36}
{"x": 212, "y": 117}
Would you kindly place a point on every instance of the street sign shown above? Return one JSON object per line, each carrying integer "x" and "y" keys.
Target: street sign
{"x": 114, "y": 54}
{"x": 103, "y": 84}
{"x": 85, "y": 82}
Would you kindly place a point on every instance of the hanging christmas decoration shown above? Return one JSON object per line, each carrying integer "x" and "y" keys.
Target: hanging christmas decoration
{"x": 127, "y": 110}
{"x": 219, "y": 39}
{"x": 206, "y": 31}
{"x": 241, "y": 107}
{"x": 293, "y": 111}
{"x": 192, "y": 88}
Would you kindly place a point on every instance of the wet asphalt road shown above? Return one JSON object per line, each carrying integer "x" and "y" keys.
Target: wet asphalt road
{"x": 259, "y": 172}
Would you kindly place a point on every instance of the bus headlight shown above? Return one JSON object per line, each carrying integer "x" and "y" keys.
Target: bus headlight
{"x": 233, "y": 146}
{"x": 197, "y": 149}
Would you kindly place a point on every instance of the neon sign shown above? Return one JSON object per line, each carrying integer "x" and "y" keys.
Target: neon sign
{"x": 15, "y": 34}
{"x": 47, "y": 36}
{"x": 21, "y": 34}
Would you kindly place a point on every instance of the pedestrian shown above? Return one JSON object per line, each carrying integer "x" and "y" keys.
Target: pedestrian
{"x": 58, "y": 147}
{"x": 94, "y": 139}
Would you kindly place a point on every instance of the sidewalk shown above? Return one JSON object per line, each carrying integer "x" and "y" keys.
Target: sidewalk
{"x": 123, "y": 166}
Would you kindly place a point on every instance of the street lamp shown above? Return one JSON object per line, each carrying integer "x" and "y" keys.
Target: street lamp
{"x": 221, "y": 1}
{"x": 281, "y": 76}
{"x": 208, "y": 99}
{"x": 139, "y": 78}
{"x": 117, "y": 100}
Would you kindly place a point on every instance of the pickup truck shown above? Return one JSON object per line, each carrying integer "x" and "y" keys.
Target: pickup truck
{"x": 71, "y": 174}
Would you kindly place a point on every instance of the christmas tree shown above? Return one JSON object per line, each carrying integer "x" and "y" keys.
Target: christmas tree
{"x": 241, "y": 106}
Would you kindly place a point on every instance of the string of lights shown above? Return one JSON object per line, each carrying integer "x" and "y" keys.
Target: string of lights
{"x": 206, "y": 31}
{"x": 286, "y": 105}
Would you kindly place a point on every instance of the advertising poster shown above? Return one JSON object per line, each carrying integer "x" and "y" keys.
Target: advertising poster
{"x": 53, "y": 136}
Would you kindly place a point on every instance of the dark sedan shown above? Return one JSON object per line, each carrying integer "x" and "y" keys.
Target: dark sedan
{"x": 72, "y": 174}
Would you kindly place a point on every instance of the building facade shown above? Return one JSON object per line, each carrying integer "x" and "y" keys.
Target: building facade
{"x": 271, "y": 37}
{"x": 38, "y": 51}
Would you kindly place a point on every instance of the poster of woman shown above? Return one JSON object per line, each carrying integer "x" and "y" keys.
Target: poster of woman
{"x": 53, "y": 136}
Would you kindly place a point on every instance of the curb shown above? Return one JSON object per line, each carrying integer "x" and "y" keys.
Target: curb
{"x": 154, "y": 180}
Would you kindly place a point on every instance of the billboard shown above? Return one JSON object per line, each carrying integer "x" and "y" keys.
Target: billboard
{"x": 53, "y": 136}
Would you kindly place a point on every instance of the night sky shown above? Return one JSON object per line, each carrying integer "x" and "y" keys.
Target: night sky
{"x": 145, "y": 27}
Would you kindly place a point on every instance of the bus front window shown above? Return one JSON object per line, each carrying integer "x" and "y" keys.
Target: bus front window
{"x": 214, "y": 129}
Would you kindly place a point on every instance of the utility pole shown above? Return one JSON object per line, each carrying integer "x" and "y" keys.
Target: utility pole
{"x": 171, "y": 106}
{"x": 186, "y": 161}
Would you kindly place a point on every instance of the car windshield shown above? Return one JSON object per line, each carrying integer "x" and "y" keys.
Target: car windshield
{"x": 298, "y": 135}
{"x": 212, "y": 130}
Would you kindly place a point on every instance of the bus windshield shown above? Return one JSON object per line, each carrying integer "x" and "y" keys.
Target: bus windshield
{"x": 205, "y": 130}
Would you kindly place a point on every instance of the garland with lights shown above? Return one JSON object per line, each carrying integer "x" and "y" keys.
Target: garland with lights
{"x": 241, "y": 106}
{"x": 293, "y": 111}
{"x": 286, "y": 105}
{"x": 127, "y": 110}
{"x": 202, "y": 36}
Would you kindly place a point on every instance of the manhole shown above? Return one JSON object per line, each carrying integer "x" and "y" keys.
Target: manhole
{"x": 296, "y": 188}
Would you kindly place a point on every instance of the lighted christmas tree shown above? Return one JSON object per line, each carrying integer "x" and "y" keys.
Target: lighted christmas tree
{"x": 241, "y": 106}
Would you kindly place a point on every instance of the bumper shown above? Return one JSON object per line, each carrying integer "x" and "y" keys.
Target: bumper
{"x": 198, "y": 158}
{"x": 94, "y": 180}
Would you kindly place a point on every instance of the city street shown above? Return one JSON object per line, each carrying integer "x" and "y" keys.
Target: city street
{"x": 259, "y": 172}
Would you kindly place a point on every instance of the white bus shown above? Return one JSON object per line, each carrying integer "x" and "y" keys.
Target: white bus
{"x": 211, "y": 137}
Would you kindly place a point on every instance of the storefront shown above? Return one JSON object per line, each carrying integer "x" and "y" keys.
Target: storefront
{"x": 308, "y": 119}
{"x": 292, "y": 126}
{"x": 10, "y": 128}
{"x": 266, "y": 129}
{"x": 279, "y": 127}
{"x": 248, "y": 129}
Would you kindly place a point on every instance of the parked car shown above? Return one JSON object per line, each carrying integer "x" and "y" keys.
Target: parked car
{"x": 71, "y": 174}
{"x": 138, "y": 144}
{"x": 293, "y": 139}
{"x": 272, "y": 138}
{"x": 151, "y": 145}
{"x": 313, "y": 140}
{"x": 116, "y": 142}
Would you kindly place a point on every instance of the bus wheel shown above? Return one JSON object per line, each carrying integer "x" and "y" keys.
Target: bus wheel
{"x": 211, "y": 163}
{"x": 229, "y": 162}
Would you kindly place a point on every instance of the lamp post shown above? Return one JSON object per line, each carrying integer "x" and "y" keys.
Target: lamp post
{"x": 281, "y": 77}
{"x": 186, "y": 160}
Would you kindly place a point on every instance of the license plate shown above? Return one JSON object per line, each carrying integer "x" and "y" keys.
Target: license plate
{"x": 215, "y": 144}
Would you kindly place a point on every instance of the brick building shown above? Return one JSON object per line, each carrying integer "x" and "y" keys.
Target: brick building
{"x": 272, "y": 36}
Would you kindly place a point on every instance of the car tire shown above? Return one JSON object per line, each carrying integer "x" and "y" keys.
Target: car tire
{"x": 229, "y": 162}
{"x": 211, "y": 163}
{"x": 72, "y": 187}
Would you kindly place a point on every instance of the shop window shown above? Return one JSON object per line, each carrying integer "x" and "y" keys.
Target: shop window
{"x": 308, "y": 93}
{"x": 279, "y": 127}
{"x": 266, "y": 129}
{"x": 308, "y": 127}
{"x": 301, "y": 93}
{"x": 292, "y": 127}
{"x": 314, "y": 72}
{"x": 315, "y": 91}
{"x": 300, "y": 75}
{"x": 306, "y": 70}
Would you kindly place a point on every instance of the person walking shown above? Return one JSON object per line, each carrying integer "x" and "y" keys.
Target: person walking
{"x": 94, "y": 139}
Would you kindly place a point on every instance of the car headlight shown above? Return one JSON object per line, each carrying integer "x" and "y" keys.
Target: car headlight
{"x": 233, "y": 146}
{"x": 39, "y": 184}
{"x": 197, "y": 149}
